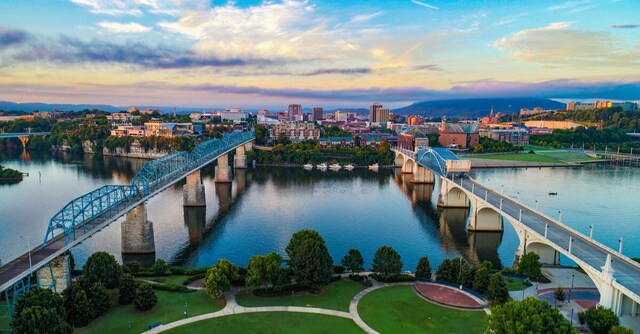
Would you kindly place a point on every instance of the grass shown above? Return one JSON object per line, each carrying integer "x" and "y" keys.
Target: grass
{"x": 272, "y": 322}
{"x": 335, "y": 296}
{"x": 173, "y": 279}
{"x": 398, "y": 309}
{"x": 170, "y": 307}
{"x": 515, "y": 284}
{"x": 519, "y": 157}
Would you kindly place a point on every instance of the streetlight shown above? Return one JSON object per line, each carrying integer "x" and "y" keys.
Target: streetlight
{"x": 29, "y": 249}
{"x": 591, "y": 231}
{"x": 560, "y": 216}
{"x": 620, "y": 242}
{"x": 536, "y": 205}
{"x": 573, "y": 276}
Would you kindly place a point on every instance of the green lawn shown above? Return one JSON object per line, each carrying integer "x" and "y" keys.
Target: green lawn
{"x": 170, "y": 307}
{"x": 272, "y": 322}
{"x": 173, "y": 279}
{"x": 515, "y": 284}
{"x": 518, "y": 157}
{"x": 398, "y": 309}
{"x": 335, "y": 296}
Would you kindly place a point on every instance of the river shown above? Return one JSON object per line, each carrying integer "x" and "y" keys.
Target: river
{"x": 259, "y": 211}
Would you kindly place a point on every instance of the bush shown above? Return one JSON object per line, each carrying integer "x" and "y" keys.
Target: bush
{"x": 338, "y": 269}
{"x": 131, "y": 267}
{"x": 364, "y": 280}
{"x": 559, "y": 294}
{"x": 170, "y": 287}
{"x": 394, "y": 278}
{"x": 40, "y": 311}
{"x": 196, "y": 271}
{"x": 620, "y": 330}
{"x": 176, "y": 270}
{"x": 102, "y": 267}
{"x": 127, "y": 290}
{"x": 599, "y": 319}
{"x": 160, "y": 267}
{"x": 194, "y": 278}
{"x": 99, "y": 299}
{"x": 76, "y": 303}
{"x": 145, "y": 298}
{"x": 423, "y": 269}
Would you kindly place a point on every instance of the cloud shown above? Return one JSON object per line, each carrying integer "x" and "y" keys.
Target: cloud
{"x": 420, "y": 3}
{"x": 9, "y": 37}
{"x": 625, "y": 26}
{"x": 135, "y": 7}
{"x": 559, "y": 44}
{"x": 126, "y": 28}
{"x": 569, "y": 5}
{"x": 366, "y": 17}
{"x": 361, "y": 70}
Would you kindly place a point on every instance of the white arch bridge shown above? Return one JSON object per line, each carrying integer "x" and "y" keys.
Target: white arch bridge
{"x": 616, "y": 276}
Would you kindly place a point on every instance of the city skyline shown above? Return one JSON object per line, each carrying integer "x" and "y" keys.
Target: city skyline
{"x": 265, "y": 54}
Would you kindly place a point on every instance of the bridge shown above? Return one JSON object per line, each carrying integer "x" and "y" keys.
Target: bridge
{"x": 616, "y": 276}
{"x": 24, "y": 136}
{"x": 47, "y": 265}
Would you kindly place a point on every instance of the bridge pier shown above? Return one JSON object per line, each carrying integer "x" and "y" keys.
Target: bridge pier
{"x": 484, "y": 218}
{"x": 24, "y": 141}
{"x": 223, "y": 190}
{"x": 398, "y": 161}
{"x": 55, "y": 276}
{"x": 240, "y": 158}
{"x": 451, "y": 196}
{"x": 223, "y": 171}
{"x": 137, "y": 233}
{"x": 193, "y": 192}
{"x": 196, "y": 220}
{"x": 422, "y": 175}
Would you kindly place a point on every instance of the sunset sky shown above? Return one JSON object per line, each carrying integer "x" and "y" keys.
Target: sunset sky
{"x": 255, "y": 54}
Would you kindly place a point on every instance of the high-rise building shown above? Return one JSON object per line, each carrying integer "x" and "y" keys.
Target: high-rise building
{"x": 294, "y": 111}
{"x": 373, "y": 109}
{"x": 318, "y": 113}
{"x": 382, "y": 115}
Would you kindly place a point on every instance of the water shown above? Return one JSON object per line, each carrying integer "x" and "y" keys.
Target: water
{"x": 259, "y": 211}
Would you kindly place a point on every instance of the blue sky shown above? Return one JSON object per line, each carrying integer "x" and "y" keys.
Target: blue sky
{"x": 334, "y": 53}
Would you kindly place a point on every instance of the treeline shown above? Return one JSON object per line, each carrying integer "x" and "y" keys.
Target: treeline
{"x": 488, "y": 145}
{"x": 159, "y": 144}
{"x": 8, "y": 173}
{"x": 311, "y": 151}
{"x": 589, "y": 137}
{"x": 628, "y": 121}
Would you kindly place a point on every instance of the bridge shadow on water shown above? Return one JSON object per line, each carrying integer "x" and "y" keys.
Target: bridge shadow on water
{"x": 449, "y": 225}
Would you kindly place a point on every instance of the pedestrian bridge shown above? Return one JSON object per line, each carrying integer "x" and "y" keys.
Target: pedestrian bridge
{"x": 47, "y": 266}
{"x": 616, "y": 276}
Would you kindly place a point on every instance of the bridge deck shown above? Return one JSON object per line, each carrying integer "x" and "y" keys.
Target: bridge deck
{"x": 627, "y": 272}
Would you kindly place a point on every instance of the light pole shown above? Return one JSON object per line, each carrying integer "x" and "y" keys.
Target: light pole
{"x": 536, "y": 205}
{"x": 560, "y": 216}
{"x": 573, "y": 276}
{"x": 620, "y": 247}
{"x": 29, "y": 249}
{"x": 591, "y": 231}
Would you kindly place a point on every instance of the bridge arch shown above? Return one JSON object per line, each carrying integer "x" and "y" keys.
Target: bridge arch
{"x": 398, "y": 160}
{"x": 485, "y": 218}
{"x": 408, "y": 166}
{"x": 452, "y": 196}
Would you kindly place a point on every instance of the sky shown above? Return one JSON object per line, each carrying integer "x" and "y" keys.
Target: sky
{"x": 341, "y": 53}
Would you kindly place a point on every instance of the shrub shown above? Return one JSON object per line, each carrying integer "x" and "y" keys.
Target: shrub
{"x": 76, "y": 303}
{"x": 170, "y": 287}
{"x": 176, "y": 270}
{"x": 160, "y": 267}
{"x": 620, "y": 330}
{"x": 99, "y": 299}
{"x": 599, "y": 319}
{"x": 559, "y": 294}
{"x": 196, "y": 271}
{"x": 127, "y": 290}
{"x": 131, "y": 267}
{"x": 102, "y": 267}
{"x": 40, "y": 311}
{"x": 338, "y": 269}
{"x": 423, "y": 269}
{"x": 145, "y": 298}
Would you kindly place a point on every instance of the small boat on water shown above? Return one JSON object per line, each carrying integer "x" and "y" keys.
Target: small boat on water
{"x": 308, "y": 166}
{"x": 373, "y": 167}
{"x": 322, "y": 166}
{"x": 553, "y": 193}
{"x": 349, "y": 167}
{"x": 335, "y": 166}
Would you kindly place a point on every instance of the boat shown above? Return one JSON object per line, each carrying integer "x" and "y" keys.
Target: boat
{"x": 322, "y": 166}
{"x": 553, "y": 193}
{"x": 335, "y": 166}
{"x": 349, "y": 167}
{"x": 373, "y": 167}
{"x": 308, "y": 166}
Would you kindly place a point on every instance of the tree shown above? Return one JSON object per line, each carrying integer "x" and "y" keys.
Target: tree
{"x": 76, "y": 303}
{"x": 216, "y": 282}
{"x": 228, "y": 268}
{"x": 353, "y": 261}
{"x": 387, "y": 262}
{"x": 423, "y": 270}
{"x": 559, "y": 294}
{"x": 309, "y": 258}
{"x": 127, "y": 290}
{"x": 531, "y": 315}
{"x": 497, "y": 290}
{"x": 131, "y": 267}
{"x": 620, "y": 330}
{"x": 264, "y": 270}
{"x": 457, "y": 271}
{"x": 40, "y": 311}
{"x": 102, "y": 267}
{"x": 145, "y": 298}
{"x": 600, "y": 319}
{"x": 160, "y": 267}
{"x": 529, "y": 265}
{"x": 481, "y": 280}
{"x": 99, "y": 298}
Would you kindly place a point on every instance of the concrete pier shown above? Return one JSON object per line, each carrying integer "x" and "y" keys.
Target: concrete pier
{"x": 422, "y": 175}
{"x": 240, "y": 159}
{"x": 223, "y": 171}
{"x": 57, "y": 276}
{"x": 137, "y": 233}
{"x": 193, "y": 192}
{"x": 195, "y": 218}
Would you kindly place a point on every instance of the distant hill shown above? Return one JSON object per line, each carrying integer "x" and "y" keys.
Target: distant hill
{"x": 31, "y": 106}
{"x": 475, "y": 107}
{"x": 358, "y": 111}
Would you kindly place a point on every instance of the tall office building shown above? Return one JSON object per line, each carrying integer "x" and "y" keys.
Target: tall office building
{"x": 382, "y": 115}
{"x": 294, "y": 111}
{"x": 318, "y": 113}
{"x": 373, "y": 110}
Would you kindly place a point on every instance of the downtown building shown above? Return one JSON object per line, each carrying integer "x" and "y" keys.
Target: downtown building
{"x": 295, "y": 131}
{"x": 378, "y": 115}
{"x": 294, "y": 112}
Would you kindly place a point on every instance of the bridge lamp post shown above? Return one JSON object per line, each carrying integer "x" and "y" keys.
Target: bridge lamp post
{"x": 573, "y": 277}
{"x": 591, "y": 231}
{"x": 29, "y": 249}
{"x": 520, "y": 216}
{"x": 536, "y": 205}
{"x": 546, "y": 228}
{"x": 620, "y": 245}
{"x": 560, "y": 216}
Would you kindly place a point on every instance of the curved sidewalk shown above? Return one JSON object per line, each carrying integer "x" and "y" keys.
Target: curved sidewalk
{"x": 353, "y": 307}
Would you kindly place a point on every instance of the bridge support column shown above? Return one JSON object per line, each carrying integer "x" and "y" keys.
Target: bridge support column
{"x": 196, "y": 220}
{"x": 55, "y": 276}
{"x": 223, "y": 171}
{"x": 451, "y": 196}
{"x": 24, "y": 141}
{"x": 137, "y": 233}
{"x": 408, "y": 166}
{"x": 193, "y": 192}
{"x": 422, "y": 175}
{"x": 484, "y": 218}
{"x": 223, "y": 190}
{"x": 240, "y": 159}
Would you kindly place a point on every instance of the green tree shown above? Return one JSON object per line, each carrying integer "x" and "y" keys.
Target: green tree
{"x": 264, "y": 270}
{"x": 99, "y": 298}
{"x": 79, "y": 310}
{"x": 620, "y": 330}
{"x": 599, "y": 319}
{"x": 481, "y": 280}
{"x": 102, "y": 267}
{"x": 261, "y": 134}
{"x": 387, "y": 262}
{"x": 127, "y": 290}
{"x": 131, "y": 267}
{"x": 216, "y": 282}
{"x": 353, "y": 261}
{"x": 529, "y": 265}
{"x": 309, "y": 258}
{"x": 145, "y": 298}
{"x": 497, "y": 290}
{"x": 40, "y": 311}
{"x": 423, "y": 269}
{"x": 228, "y": 268}
{"x": 160, "y": 267}
{"x": 530, "y": 316}
{"x": 456, "y": 270}
{"x": 559, "y": 294}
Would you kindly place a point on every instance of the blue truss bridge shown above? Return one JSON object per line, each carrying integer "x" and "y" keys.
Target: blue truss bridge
{"x": 91, "y": 212}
